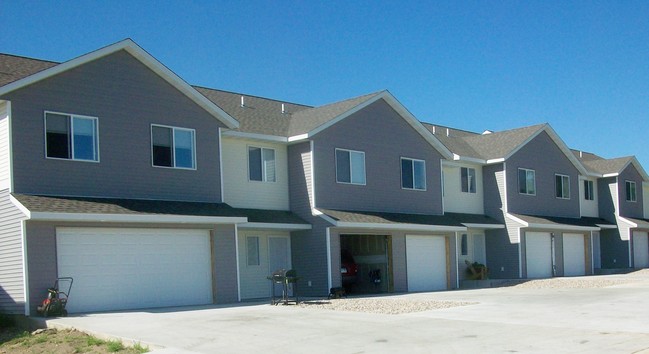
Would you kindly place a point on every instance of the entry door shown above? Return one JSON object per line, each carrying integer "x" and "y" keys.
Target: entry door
{"x": 640, "y": 249}
{"x": 279, "y": 256}
{"x": 479, "y": 249}
{"x": 538, "y": 251}
{"x": 426, "y": 262}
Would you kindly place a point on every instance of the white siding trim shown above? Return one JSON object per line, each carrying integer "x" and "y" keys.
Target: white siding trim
{"x": 5, "y": 147}
{"x": 221, "y": 163}
{"x": 329, "y": 272}
{"x": 165, "y": 219}
{"x": 11, "y": 150}
{"x": 408, "y": 227}
{"x": 25, "y": 267}
{"x": 273, "y": 226}
{"x": 312, "y": 163}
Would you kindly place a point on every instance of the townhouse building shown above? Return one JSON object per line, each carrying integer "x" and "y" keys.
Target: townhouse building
{"x": 151, "y": 192}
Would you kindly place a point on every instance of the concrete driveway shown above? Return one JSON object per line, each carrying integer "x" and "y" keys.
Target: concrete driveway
{"x": 613, "y": 319}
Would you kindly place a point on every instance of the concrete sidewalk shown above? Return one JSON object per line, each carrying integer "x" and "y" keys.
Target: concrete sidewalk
{"x": 613, "y": 319}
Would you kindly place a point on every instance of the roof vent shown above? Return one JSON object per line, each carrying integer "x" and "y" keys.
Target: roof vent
{"x": 434, "y": 129}
{"x": 243, "y": 102}
{"x": 283, "y": 109}
{"x": 581, "y": 154}
{"x": 487, "y": 132}
{"x": 448, "y": 132}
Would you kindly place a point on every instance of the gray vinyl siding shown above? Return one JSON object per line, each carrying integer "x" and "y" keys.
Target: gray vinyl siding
{"x": 12, "y": 291}
{"x": 607, "y": 193}
{"x": 385, "y": 137}
{"x": 494, "y": 190}
{"x": 127, "y": 98}
{"x": 400, "y": 265}
{"x": 614, "y": 251}
{"x": 544, "y": 156}
{"x": 5, "y": 153}
{"x": 630, "y": 209}
{"x": 309, "y": 247}
{"x": 43, "y": 270}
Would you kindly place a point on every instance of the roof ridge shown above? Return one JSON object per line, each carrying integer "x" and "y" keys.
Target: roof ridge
{"x": 249, "y": 95}
{"x": 30, "y": 58}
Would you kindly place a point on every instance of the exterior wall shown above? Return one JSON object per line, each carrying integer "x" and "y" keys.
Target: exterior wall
{"x": 607, "y": 193}
{"x": 5, "y": 153}
{"x": 614, "y": 251}
{"x": 588, "y": 207}
{"x": 645, "y": 200}
{"x": 627, "y": 208}
{"x": 309, "y": 247}
{"x": 455, "y": 200}
{"x": 544, "y": 156}
{"x": 494, "y": 191}
{"x": 502, "y": 255}
{"x": 42, "y": 264}
{"x": 385, "y": 137}
{"x": 12, "y": 286}
{"x": 253, "y": 278}
{"x": 239, "y": 191}
{"x": 127, "y": 98}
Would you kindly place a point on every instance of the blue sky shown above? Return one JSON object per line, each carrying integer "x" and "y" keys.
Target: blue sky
{"x": 582, "y": 66}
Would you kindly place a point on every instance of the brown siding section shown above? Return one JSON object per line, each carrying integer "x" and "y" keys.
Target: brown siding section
{"x": 127, "y": 98}
{"x": 12, "y": 291}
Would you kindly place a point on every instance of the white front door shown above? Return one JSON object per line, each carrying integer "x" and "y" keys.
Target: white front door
{"x": 260, "y": 254}
{"x": 479, "y": 249}
{"x": 426, "y": 262}
{"x": 640, "y": 249}
{"x": 538, "y": 252}
{"x": 574, "y": 255}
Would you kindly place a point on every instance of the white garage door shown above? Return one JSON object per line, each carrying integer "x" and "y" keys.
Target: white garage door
{"x": 640, "y": 249}
{"x": 538, "y": 251}
{"x": 574, "y": 255}
{"x": 118, "y": 269}
{"x": 426, "y": 262}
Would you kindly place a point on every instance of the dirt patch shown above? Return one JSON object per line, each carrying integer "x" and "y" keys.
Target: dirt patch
{"x": 65, "y": 341}
{"x": 382, "y": 306}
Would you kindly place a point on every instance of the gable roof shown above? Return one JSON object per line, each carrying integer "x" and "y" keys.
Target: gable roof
{"x": 13, "y": 67}
{"x": 39, "y": 71}
{"x": 602, "y": 167}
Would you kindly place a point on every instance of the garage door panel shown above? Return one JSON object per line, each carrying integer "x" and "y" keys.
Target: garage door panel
{"x": 538, "y": 252}
{"x": 135, "y": 268}
{"x": 640, "y": 249}
{"x": 426, "y": 262}
{"x": 574, "y": 255}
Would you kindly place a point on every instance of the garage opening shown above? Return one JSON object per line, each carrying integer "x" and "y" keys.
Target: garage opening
{"x": 366, "y": 264}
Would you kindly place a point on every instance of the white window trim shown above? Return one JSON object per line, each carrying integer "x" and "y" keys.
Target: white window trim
{"x": 555, "y": 186}
{"x": 264, "y": 178}
{"x": 635, "y": 192}
{"x": 468, "y": 179}
{"x": 413, "y": 174}
{"x": 173, "y": 147}
{"x": 350, "y": 167}
{"x": 519, "y": 181}
{"x": 71, "y": 116}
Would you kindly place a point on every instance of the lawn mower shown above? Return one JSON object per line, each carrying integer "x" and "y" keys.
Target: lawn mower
{"x": 56, "y": 300}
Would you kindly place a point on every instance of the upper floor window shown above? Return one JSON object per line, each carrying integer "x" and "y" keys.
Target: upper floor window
{"x": 173, "y": 147}
{"x": 413, "y": 174}
{"x": 589, "y": 190}
{"x": 467, "y": 177}
{"x": 261, "y": 164}
{"x": 562, "y": 186}
{"x": 526, "y": 181}
{"x": 69, "y": 136}
{"x": 350, "y": 166}
{"x": 630, "y": 191}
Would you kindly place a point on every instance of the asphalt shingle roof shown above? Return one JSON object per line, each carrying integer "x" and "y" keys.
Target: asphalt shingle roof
{"x": 82, "y": 205}
{"x": 448, "y": 219}
{"x": 559, "y": 221}
{"x": 13, "y": 68}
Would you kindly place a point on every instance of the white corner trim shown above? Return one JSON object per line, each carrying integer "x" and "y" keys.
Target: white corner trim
{"x": 254, "y": 136}
{"x": 312, "y": 162}
{"x": 23, "y": 231}
{"x": 329, "y": 272}
{"x": 274, "y": 226}
{"x": 148, "y": 218}
{"x": 220, "y": 163}
{"x": 11, "y": 149}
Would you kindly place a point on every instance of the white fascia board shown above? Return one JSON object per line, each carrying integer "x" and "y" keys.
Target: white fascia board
{"x": 640, "y": 169}
{"x": 474, "y": 160}
{"x": 254, "y": 136}
{"x": 494, "y": 161}
{"x": 406, "y": 227}
{"x": 610, "y": 175}
{"x": 326, "y": 217}
{"x": 633, "y": 224}
{"x": 484, "y": 226}
{"x": 164, "y": 219}
{"x": 606, "y": 226}
{"x": 274, "y": 226}
{"x": 298, "y": 138}
{"x": 518, "y": 220}
{"x": 146, "y": 59}
{"x": 563, "y": 227}
{"x": 20, "y": 206}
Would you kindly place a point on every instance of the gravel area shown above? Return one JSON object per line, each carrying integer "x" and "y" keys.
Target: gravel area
{"x": 382, "y": 305}
{"x": 583, "y": 282}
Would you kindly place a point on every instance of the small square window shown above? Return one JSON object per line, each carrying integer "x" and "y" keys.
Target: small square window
{"x": 261, "y": 164}
{"x": 350, "y": 166}
{"x": 413, "y": 174}
{"x": 630, "y": 191}
{"x": 71, "y": 137}
{"x": 173, "y": 147}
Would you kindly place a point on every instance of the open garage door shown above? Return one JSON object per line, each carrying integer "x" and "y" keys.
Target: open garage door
{"x": 538, "y": 252}
{"x": 574, "y": 255}
{"x": 118, "y": 269}
{"x": 426, "y": 259}
{"x": 640, "y": 249}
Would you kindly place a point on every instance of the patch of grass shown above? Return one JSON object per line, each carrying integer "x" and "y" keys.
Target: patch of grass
{"x": 92, "y": 341}
{"x": 140, "y": 349}
{"x": 115, "y": 346}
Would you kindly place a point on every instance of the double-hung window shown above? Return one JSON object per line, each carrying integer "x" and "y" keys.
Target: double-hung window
{"x": 589, "y": 190}
{"x": 72, "y": 137}
{"x": 261, "y": 164}
{"x": 173, "y": 147}
{"x": 350, "y": 166}
{"x": 526, "y": 181}
{"x": 467, "y": 177}
{"x": 413, "y": 174}
{"x": 562, "y": 186}
{"x": 630, "y": 191}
